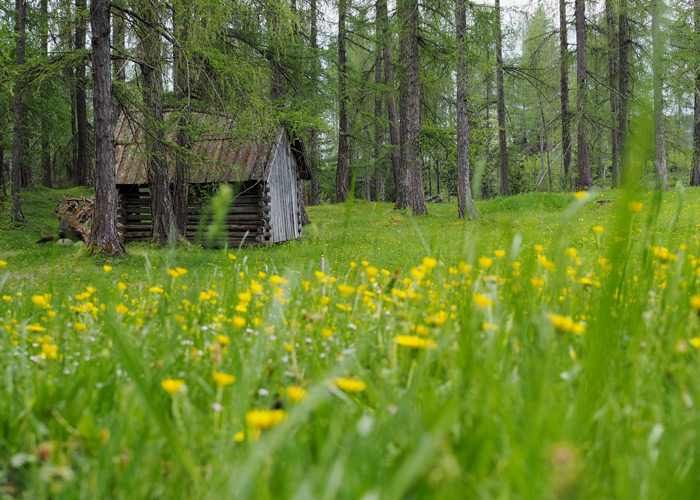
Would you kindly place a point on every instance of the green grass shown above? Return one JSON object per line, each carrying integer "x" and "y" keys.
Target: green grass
{"x": 507, "y": 404}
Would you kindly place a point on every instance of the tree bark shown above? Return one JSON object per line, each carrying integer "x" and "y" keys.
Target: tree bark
{"x": 378, "y": 105}
{"x": 118, "y": 60}
{"x": 695, "y": 172}
{"x": 45, "y": 151}
{"x": 181, "y": 17}
{"x": 623, "y": 91}
{"x": 410, "y": 104}
{"x": 314, "y": 195}
{"x": 465, "y": 203}
{"x": 500, "y": 105}
{"x": 83, "y": 173}
{"x": 585, "y": 178}
{"x": 657, "y": 69}
{"x": 615, "y": 137}
{"x": 17, "y": 215}
{"x": 162, "y": 215}
{"x": 341, "y": 173}
{"x": 103, "y": 236}
{"x": 400, "y": 180}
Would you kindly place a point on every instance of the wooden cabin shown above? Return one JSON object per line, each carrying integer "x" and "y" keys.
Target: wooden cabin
{"x": 265, "y": 173}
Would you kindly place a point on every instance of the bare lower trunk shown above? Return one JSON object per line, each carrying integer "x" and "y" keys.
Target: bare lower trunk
{"x": 181, "y": 18}
{"x": 695, "y": 172}
{"x": 410, "y": 105}
{"x": 103, "y": 236}
{"x": 83, "y": 173}
{"x": 314, "y": 195}
{"x": 341, "y": 173}
{"x": 585, "y": 179}
{"x": 623, "y": 91}
{"x": 659, "y": 128}
{"x": 45, "y": 151}
{"x": 17, "y": 215}
{"x": 118, "y": 61}
{"x": 465, "y": 203}
{"x": 501, "y": 106}
{"x": 378, "y": 128}
{"x": 162, "y": 216}
{"x": 614, "y": 96}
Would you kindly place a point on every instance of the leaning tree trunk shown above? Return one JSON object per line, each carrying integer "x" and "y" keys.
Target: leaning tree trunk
{"x": 465, "y": 203}
{"x": 615, "y": 137}
{"x": 17, "y": 215}
{"x": 341, "y": 173}
{"x": 103, "y": 236}
{"x": 410, "y": 104}
{"x": 623, "y": 91}
{"x": 695, "y": 172}
{"x": 659, "y": 128}
{"x": 400, "y": 179}
{"x": 83, "y": 167}
{"x": 585, "y": 178}
{"x": 500, "y": 105}
{"x": 162, "y": 216}
{"x": 181, "y": 186}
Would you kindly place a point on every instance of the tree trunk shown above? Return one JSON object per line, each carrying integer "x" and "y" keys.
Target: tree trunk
{"x": 45, "y": 151}
{"x": 465, "y": 203}
{"x": 314, "y": 195}
{"x": 83, "y": 173}
{"x": 407, "y": 11}
{"x": 341, "y": 174}
{"x": 400, "y": 179}
{"x": 118, "y": 60}
{"x": 501, "y": 106}
{"x": 181, "y": 18}
{"x": 614, "y": 96}
{"x": 585, "y": 179}
{"x": 657, "y": 63}
{"x": 623, "y": 91}
{"x": 162, "y": 215}
{"x": 17, "y": 215}
{"x": 378, "y": 128}
{"x": 278, "y": 86}
{"x": 695, "y": 172}
{"x": 103, "y": 236}
{"x": 3, "y": 181}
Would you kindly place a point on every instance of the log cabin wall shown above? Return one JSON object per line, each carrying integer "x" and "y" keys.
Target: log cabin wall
{"x": 283, "y": 183}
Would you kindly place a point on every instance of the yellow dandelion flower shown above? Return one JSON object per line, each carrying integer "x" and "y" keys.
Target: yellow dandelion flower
{"x": 264, "y": 419}
{"x": 223, "y": 379}
{"x": 238, "y": 321}
{"x": 415, "y": 342}
{"x": 172, "y": 386}
{"x": 121, "y": 309}
{"x": 571, "y": 252}
{"x": 349, "y": 384}
{"x": 499, "y": 253}
{"x": 327, "y": 333}
{"x": 121, "y": 286}
{"x": 278, "y": 280}
{"x": 231, "y": 256}
{"x": 346, "y": 290}
{"x": 296, "y": 393}
{"x": 482, "y": 300}
{"x": 695, "y": 342}
{"x": 695, "y": 302}
{"x": 636, "y": 206}
{"x": 40, "y": 301}
{"x": 539, "y": 248}
{"x": 485, "y": 262}
{"x": 155, "y": 289}
{"x": 581, "y": 195}
{"x": 222, "y": 340}
{"x": 598, "y": 229}
{"x": 3, "y": 263}
{"x": 36, "y": 328}
{"x": 107, "y": 268}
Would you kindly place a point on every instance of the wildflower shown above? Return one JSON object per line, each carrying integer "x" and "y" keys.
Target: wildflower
{"x": 581, "y": 195}
{"x": 278, "y": 280}
{"x": 245, "y": 297}
{"x": 537, "y": 282}
{"x": 264, "y": 419}
{"x": 107, "y": 268}
{"x": 350, "y": 385}
{"x": 695, "y": 342}
{"x": 121, "y": 286}
{"x": 636, "y": 206}
{"x": 238, "y": 321}
{"x": 539, "y": 248}
{"x": 155, "y": 289}
{"x": 36, "y": 328}
{"x": 223, "y": 379}
{"x": 296, "y": 393}
{"x": 231, "y": 256}
{"x": 239, "y": 436}
{"x": 7, "y": 298}
{"x": 346, "y": 290}
{"x": 598, "y": 229}
{"x": 41, "y": 301}
{"x": 695, "y": 302}
{"x": 327, "y": 333}
{"x": 485, "y": 262}
{"x": 172, "y": 386}
{"x": 371, "y": 271}
{"x": 429, "y": 262}
{"x": 482, "y": 300}
{"x": 571, "y": 252}
{"x": 79, "y": 326}
{"x": 438, "y": 318}
{"x": 499, "y": 253}
{"x": 121, "y": 309}
{"x": 222, "y": 340}
{"x": 415, "y": 342}
{"x": 3, "y": 263}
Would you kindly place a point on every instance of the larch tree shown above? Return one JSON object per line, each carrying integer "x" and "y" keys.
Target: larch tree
{"x": 45, "y": 150}
{"x": 695, "y": 171}
{"x": 660, "y": 168}
{"x": 341, "y": 173}
{"x": 82, "y": 172}
{"x": 400, "y": 178}
{"x": 104, "y": 237}
{"x": 408, "y": 13}
{"x": 465, "y": 203}
{"x": 162, "y": 215}
{"x": 378, "y": 128}
{"x": 181, "y": 84}
{"x": 615, "y": 136}
{"x": 585, "y": 178}
{"x": 315, "y": 193}
{"x": 623, "y": 91}
{"x": 500, "y": 104}
{"x": 17, "y": 215}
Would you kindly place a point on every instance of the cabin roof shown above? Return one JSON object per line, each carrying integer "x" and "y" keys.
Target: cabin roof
{"x": 219, "y": 152}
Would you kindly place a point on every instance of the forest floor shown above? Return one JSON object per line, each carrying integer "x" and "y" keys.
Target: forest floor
{"x": 550, "y": 349}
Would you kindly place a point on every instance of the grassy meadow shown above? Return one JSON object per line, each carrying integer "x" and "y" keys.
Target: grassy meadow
{"x": 549, "y": 350}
